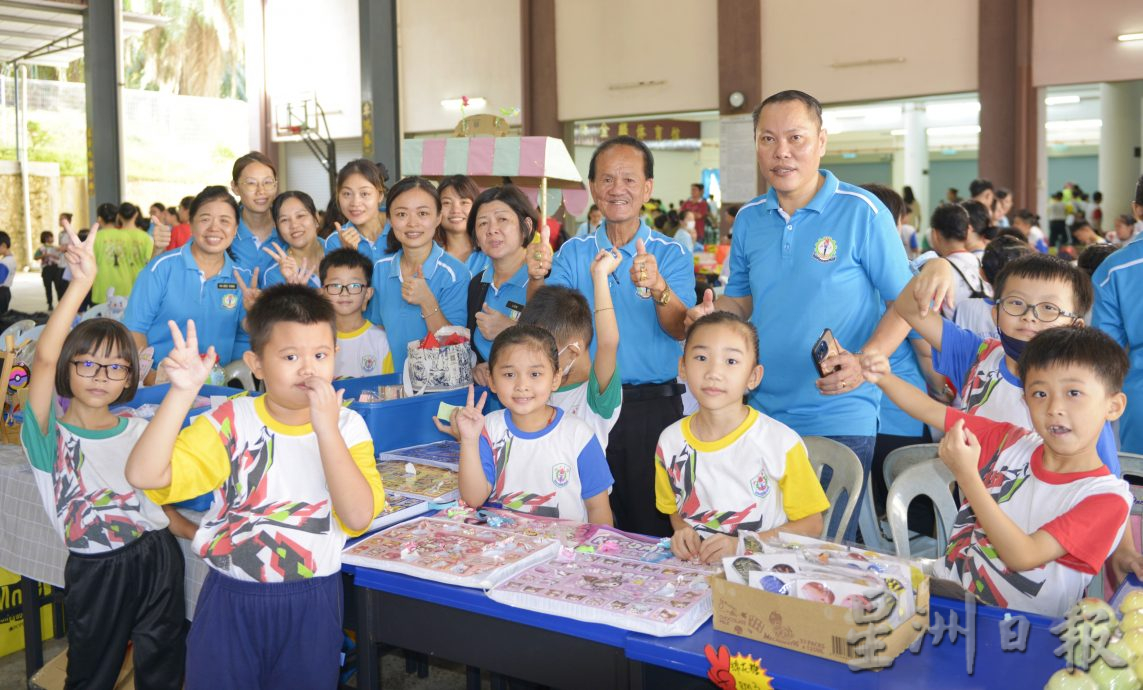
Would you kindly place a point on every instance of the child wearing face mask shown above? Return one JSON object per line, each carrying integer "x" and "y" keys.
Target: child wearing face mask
{"x": 591, "y": 389}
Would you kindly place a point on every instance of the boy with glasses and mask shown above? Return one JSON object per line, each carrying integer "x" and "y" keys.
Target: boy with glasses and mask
{"x": 362, "y": 347}
{"x": 1033, "y": 293}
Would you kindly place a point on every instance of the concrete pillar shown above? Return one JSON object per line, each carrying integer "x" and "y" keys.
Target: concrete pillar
{"x": 540, "y": 114}
{"x": 1119, "y": 142}
{"x": 739, "y": 71}
{"x": 916, "y": 156}
{"x": 103, "y": 77}
{"x": 380, "y": 95}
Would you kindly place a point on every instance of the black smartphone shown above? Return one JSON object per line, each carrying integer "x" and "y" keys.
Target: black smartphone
{"x": 825, "y": 346}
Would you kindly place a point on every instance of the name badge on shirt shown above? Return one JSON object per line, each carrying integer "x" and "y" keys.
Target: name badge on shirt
{"x": 514, "y": 310}
{"x": 228, "y": 286}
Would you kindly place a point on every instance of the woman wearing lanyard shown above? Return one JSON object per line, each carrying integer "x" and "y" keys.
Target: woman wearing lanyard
{"x": 360, "y": 192}
{"x": 418, "y": 288}
{"x": 297, "y": 221}
{"x": 458, "y": 192}
{"x": 503, "y": 222}
{"x": 255, "y": 180}
{"x": 196, "y": 281}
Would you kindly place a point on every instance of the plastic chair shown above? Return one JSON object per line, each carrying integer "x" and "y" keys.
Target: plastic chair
{"x": 238, "y": 371}
{"x": 32, "y": 334}
{"x": 931, "y": 479}
{"x": 847, "y": 475}
{"x": 897, "y": 461}
{"x": 17, "y": 329}
{"x": 96, "y": 312}
{"x": 1131, "y": 464}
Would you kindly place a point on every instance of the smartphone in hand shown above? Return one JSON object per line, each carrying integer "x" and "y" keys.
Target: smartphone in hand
{"x": 825, "y": 346}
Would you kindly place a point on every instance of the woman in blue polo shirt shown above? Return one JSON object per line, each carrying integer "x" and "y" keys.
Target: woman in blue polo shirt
{"x": 503, "y": 222}
{"x": 417, "y": 287}
{"x": 196, "y": 281}
{"x": 360, "y": 193}
{"x": 255, "y": 180}
{"x": 458, "y": 193}
{"x": 297, "y": 221}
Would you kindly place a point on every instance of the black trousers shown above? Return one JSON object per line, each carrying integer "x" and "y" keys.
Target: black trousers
{"x": 922, "y": 518}
{"x": 631, "y": 456}
{"x": 1058, "y": 233}
{"x": 53, "y": 277}
{"x": 134, "y": 594}
{"x": 5, "y": 298}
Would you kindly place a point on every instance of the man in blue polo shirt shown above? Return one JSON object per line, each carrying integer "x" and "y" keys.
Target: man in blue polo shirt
{"x": 813, "y": 253}
{"x": 651, "y": 290}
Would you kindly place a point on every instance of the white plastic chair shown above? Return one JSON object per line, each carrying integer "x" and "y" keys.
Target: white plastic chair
{"x": 32, "y": 334}
{"x": 896, "y": 462}
{"x": 16, "y": 330}
{"x": 238, "y": 371}
{"x": 846, "y": 475}
{"x": 931, "y": 479}
{"x": 1131, "y": 464}
{"x": 96, "y": 312}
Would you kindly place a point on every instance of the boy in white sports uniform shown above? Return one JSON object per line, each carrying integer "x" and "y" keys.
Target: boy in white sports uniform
{"x": 362, "y": 347}
{"x": 531, "y": 456}
{"x": 293, "y": 474}
{"x": 1036, "y": 293}
{"x": 1041, "y": 513}
{"x": 729, "y": 467}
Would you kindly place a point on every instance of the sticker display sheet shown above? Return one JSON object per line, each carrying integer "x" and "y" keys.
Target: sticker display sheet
{"x": 642, "y": 597}
{"x": 609, "y": 541}
{"x": 428, "y": 483}
{"x": 444, "y": 454}
{"x": 451, "y": 552}
{"x": 398, "y": 508}
{"x": 566, "y": 532}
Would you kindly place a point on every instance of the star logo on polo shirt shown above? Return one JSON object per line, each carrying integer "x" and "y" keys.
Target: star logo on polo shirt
{"x": 825, "y": 249}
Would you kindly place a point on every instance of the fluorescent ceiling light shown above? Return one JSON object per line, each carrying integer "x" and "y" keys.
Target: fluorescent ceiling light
{"x": 896, "y": 132}
{"x": 1059, "y": 125}
{"x": 953, "y": 130}
{"x": 1061, "y": 100}
{"x": 458, "y": 103}
{"x": 1124, "y": 38}
{"x": 953, "y": 109}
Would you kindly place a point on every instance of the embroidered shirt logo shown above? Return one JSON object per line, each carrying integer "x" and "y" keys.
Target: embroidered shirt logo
{"x": 561, "y": 474}
{"x": 368, "y": 362}
{"x": 760, "y": 485}
{"x": 825, "y": 249}
{"x": 229, "y": 301}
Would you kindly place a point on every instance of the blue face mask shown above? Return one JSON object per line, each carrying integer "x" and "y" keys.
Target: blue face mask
{"x": 1012, "y": 347}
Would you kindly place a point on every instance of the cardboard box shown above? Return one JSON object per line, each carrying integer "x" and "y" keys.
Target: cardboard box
{"x": 806, "y": 626}
{"x": 12, "y": 626}
{"x": 53, "y": 675}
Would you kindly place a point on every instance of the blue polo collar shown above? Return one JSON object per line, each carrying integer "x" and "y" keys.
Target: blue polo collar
{"x": 228, "y": 265}
{"x": 602, "y": 241}
{"x": 245, "y": 233}
{"x": 428, "y": 268}
{"x": 820, "y": 200}
{"x": 518, "y": 279}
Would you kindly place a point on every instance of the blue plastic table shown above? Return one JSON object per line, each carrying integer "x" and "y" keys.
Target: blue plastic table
{"x": 464, "y": 625}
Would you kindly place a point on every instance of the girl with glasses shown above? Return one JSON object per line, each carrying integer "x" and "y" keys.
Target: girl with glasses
{"x": 124, "y": 573}
{"x": 254, "y": 179}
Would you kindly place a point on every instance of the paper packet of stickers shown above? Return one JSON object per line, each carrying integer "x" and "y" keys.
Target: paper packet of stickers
{"x": 822, "y": 571}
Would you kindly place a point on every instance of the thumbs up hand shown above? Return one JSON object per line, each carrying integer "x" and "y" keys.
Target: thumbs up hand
{"x": 540, "y": 254}
{"x": 491, "y": 322}
{"x": 349, "y": 236}
{"x": 415, "y": 290}
{"x": 706, "y": 306}
{"x": 645, "y": 270}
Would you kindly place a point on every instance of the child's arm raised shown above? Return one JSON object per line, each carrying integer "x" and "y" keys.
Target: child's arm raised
{"x": 149, "y": 465}
{"x": 349, "y": 490}
{"x": 915, "y": 403}
{"x": 920, "y": 302}
{"x": 606, "y": 325}
{"x": 474, "y": 484}
{"x": 960, "y": 451}
{"x": 80, "y": 258}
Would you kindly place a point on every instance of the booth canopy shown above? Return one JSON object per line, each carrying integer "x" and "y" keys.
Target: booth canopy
{"x": 528, "y": 161}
